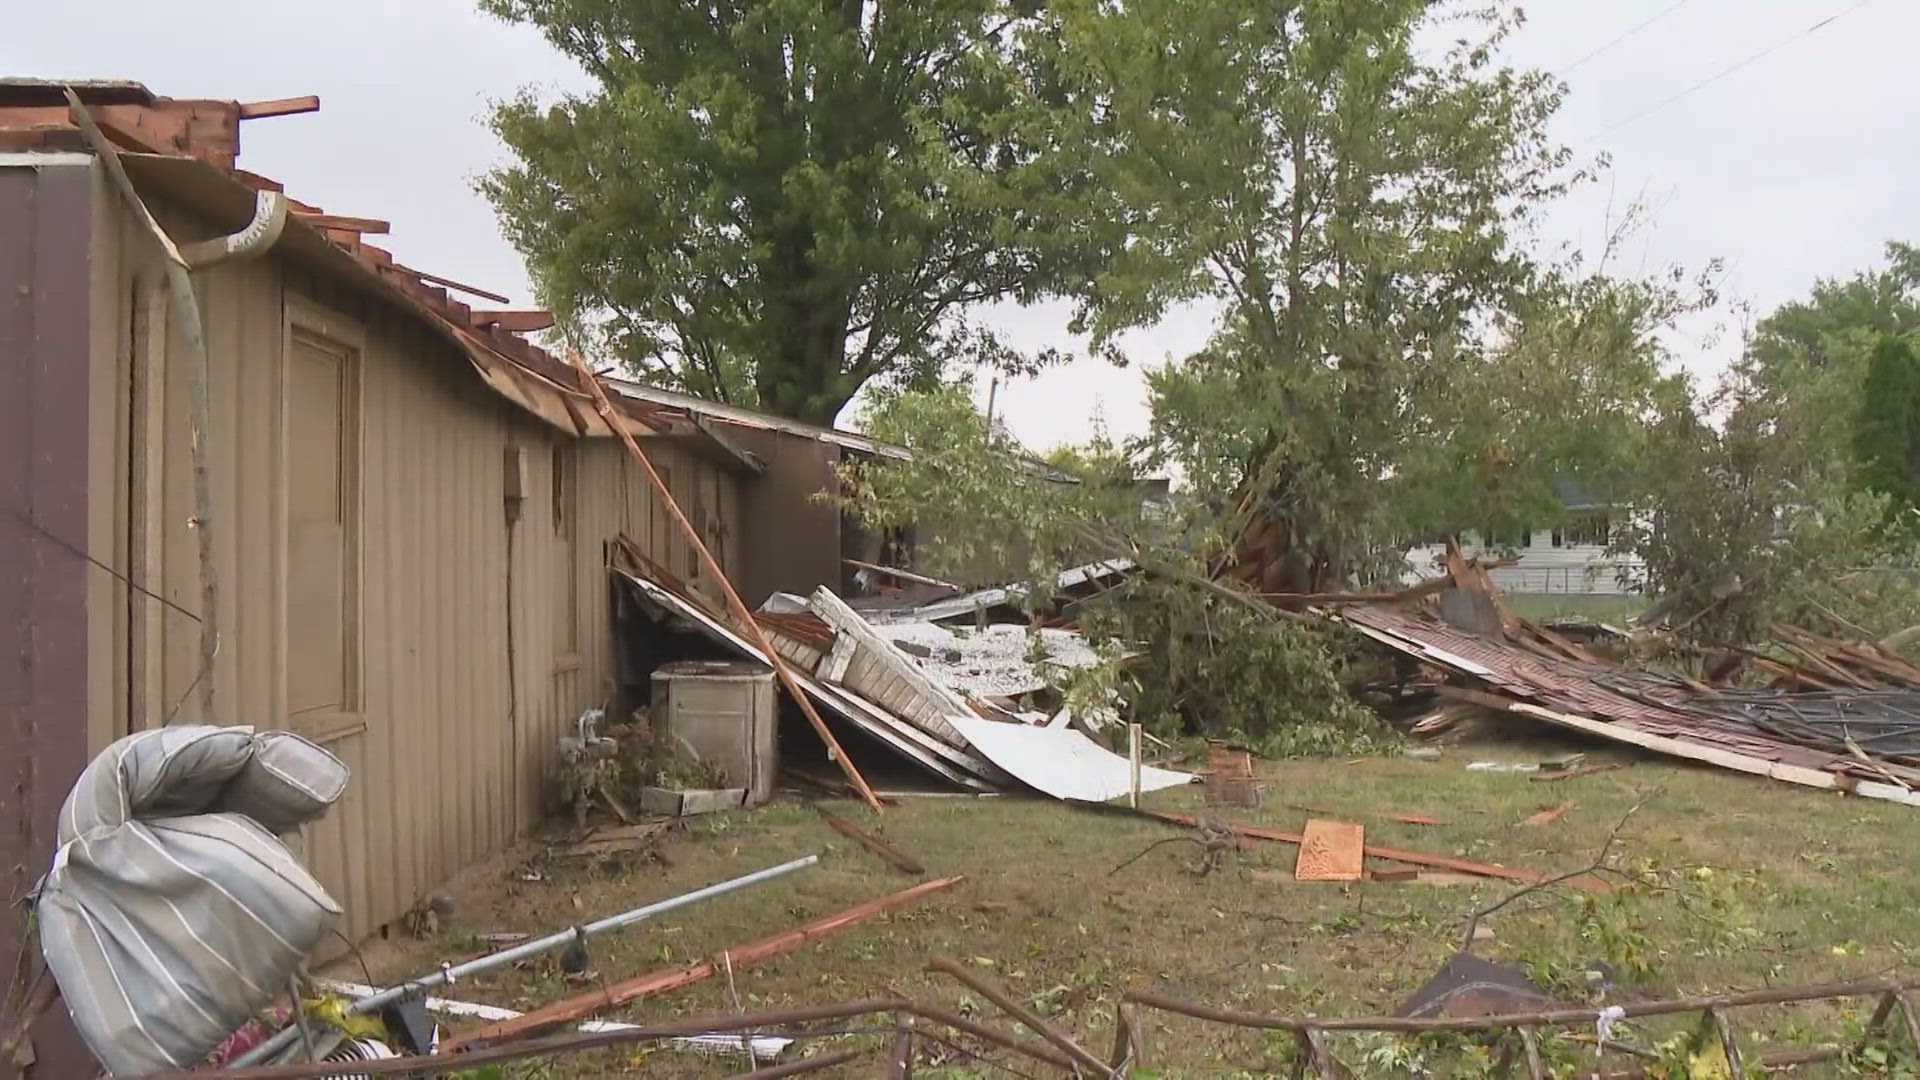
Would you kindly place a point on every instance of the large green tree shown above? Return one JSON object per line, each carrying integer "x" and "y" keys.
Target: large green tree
{"x": 1886, "y": 438}
{"x": 1807, "y": 359}
{"x": 1356, "y": 200}
{"x": 773, "y": 202}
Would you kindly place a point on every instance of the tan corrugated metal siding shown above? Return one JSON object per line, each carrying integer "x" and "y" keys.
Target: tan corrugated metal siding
{"x": 457, "y": 744}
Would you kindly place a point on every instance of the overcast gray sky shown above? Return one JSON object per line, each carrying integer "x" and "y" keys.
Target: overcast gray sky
{"x": 1797, "y": 165}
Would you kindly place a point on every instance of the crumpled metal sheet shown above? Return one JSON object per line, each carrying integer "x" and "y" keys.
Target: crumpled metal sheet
{"x": 1643, "y": 701}
{"x": 1061, "y": 762}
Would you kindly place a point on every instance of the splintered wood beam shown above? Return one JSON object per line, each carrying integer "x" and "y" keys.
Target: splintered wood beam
{"x": 462, "y": 286}
{"x": 516, "y": 322}
{"x": 258, "y": 110}
{"x": 341, "y": 221}
{"x": 893, "y": 856}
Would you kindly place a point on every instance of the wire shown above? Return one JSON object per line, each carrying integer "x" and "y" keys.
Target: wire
{"x": 1724, "y": 72}
{"x": 81, "y": 552}
{"x": 1636, "y": 29}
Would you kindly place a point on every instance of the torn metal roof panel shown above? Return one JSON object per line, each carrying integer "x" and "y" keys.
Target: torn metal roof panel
{"x": 1640, "y": 708}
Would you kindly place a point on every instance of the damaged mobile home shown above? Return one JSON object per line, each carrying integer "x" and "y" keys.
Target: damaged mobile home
{"x": 409, "y": 507}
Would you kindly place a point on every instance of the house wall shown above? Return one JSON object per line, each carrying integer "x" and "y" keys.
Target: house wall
{"x": 793, "y": 537}
{"x": 462, "y": 667}
{"x": 47, "y": 517}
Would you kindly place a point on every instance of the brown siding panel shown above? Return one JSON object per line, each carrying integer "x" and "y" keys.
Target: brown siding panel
{"x": 446, "y": 769}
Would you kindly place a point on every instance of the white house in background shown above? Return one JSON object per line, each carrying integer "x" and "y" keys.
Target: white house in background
{"x": 1568, "y": 558}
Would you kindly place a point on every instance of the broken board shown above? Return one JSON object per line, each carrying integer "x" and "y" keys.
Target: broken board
{"x": 1331, "y": 851}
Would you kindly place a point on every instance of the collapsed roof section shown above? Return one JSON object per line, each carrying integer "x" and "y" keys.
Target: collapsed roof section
{"x": 1812, "y": 739}
{"x": 860, "y": 673}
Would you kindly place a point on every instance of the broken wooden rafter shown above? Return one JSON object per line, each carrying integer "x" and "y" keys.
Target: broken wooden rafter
{"x": 893, "y": 856}
{"x": 341, "y": 222}
{"x": 449, "y": 283}
{"x": 615, "y": 994}
{"x": 1547, "y": 815}
{"x": 523, "y": 321}
{"x": 260, "y": 110}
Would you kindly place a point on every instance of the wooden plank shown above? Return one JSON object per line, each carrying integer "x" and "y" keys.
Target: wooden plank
{"x": 1584, "y": 770}
{"x": 452, "y": 284}
{"x": 893, "y": 856}
{"x": 657, "y": 982}
{"x": 341, "y": 221}
{"x": 514, "y": 322}
{"x": 1547, "y": 815}
{"x": 1331, "y": 851}
{"x": 258, "y": 110}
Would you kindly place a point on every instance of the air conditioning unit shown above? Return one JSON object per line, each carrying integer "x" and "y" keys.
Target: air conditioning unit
{"x": 725, "y": 714}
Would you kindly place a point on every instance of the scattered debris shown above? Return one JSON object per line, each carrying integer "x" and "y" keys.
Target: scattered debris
{"x": 624, "y": 840}
{"x": 566, "y": 1011}
{"x": 451, "y": 973}
{"x": 764, "y": 1047}
{"x": 683, "y": 803}
{"x": 1796, "y": 736}
{"x": 878, "y": 845}
{"x": 1213, "y": 839}
{"x": 1331, "y": 851}
{"x": 1584, "y": 770}
{"x": 1229, "y": 776}
{"x": 1468, "y": 986}
{"x": 1549, "y": 814}
{"x": 1061, "y": 762}
{"x": 1310, "y": 1031}
{"x": 1442, "y": 862}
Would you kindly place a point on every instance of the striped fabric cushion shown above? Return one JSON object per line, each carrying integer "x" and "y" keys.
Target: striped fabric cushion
{"x": 168, "y": 918}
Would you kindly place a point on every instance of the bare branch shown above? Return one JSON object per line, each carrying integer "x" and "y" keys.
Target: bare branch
{"x": 1598, "y": 864}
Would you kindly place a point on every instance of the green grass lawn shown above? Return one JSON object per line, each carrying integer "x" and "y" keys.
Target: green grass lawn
{"x": 1598, "y": 606}
{"x": 1763, "y": 884}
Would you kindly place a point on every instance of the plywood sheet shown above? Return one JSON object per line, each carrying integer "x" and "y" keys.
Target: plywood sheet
{"x": 1331, "y": 851}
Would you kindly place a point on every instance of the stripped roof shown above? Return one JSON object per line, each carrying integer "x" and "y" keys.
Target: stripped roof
{"x": 185, "y": 151}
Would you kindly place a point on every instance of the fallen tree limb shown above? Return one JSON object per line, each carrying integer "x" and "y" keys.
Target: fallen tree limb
{"x": 996, "y": 994}
{"x": 954, "y": 1020}
{"x": 1599, "y": 863}
{"x": 616, "y": 994}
